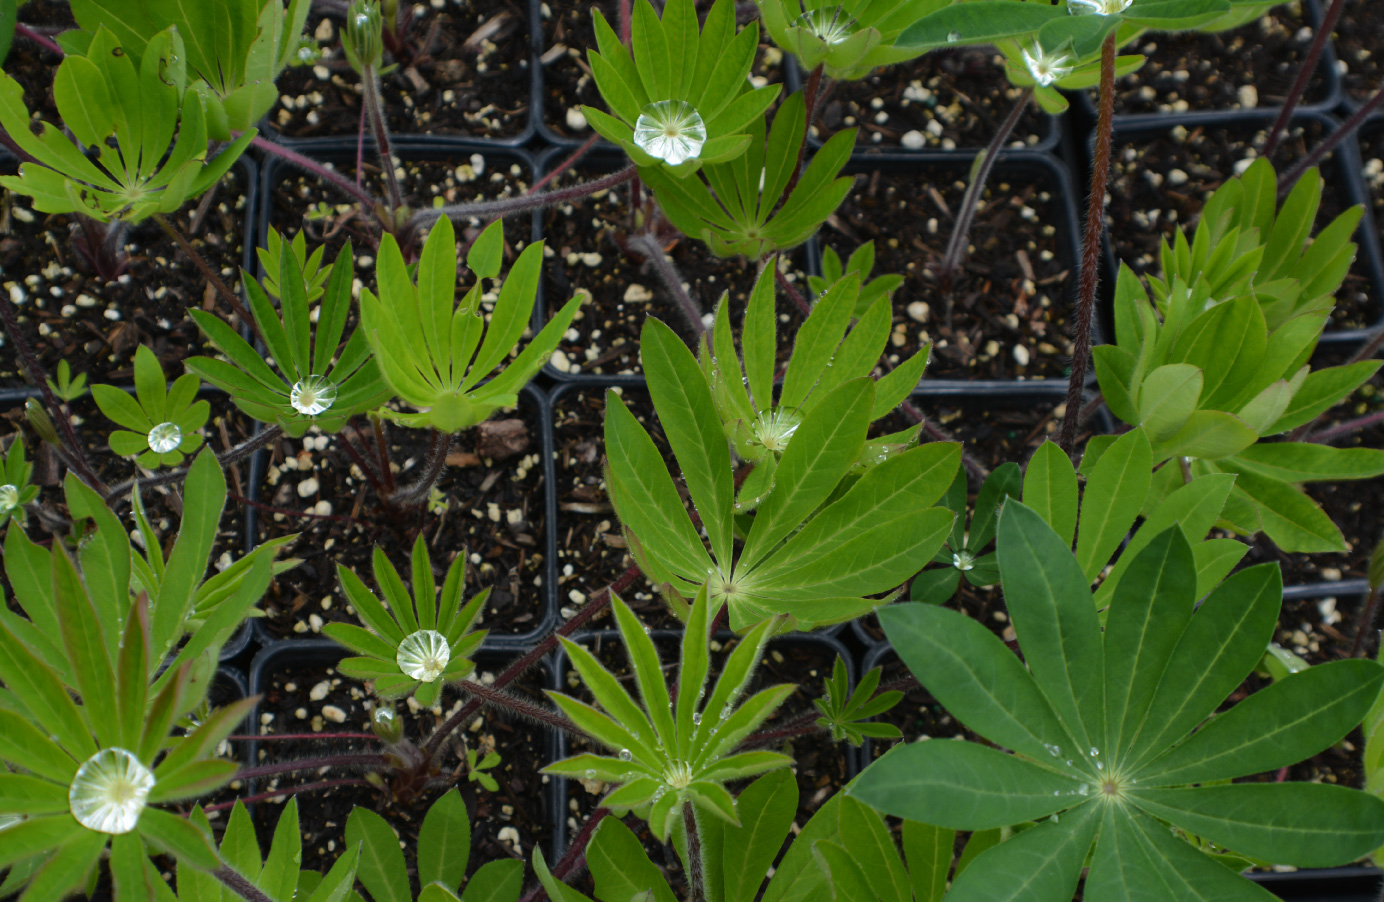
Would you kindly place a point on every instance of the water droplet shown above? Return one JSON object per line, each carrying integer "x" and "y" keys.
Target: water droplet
{"x": 1046, "y": 68}
{"x": 1095, "y": 752}
{"x": 670, "y": 130}
{"x": 697, "y": 718}
{"x": 312, "y": 395}
{"x": 1054, "y": 750}
{"x": 625, "y": 755}
{"x": 109, "y": 790}
{"x": 832, "y": 25}
{"x": 964, "y": 560}
{"x": 590, "y": 774}
{"x": 1100, "y": 765}
{"x": 9, "y": 498}
{"x": 165, "y": 437}
{"x": 953, "y": 37}
{"x": 423, "y": 655}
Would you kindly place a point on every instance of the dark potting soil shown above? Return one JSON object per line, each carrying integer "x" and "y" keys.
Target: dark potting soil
{"x": 1159, "y": 181}
{"x": 314, "y": 698}
{"x": 33, "y": 66}
{"x": 1004, "y": 315}
{"x": 821, "y": 765}
{"x": 490, "y": 508}
{"x": 945, "y": 100}
{"x": 585, "y": 249}
{"x": 1372, "y": 155}
{"x": 68, "y": 312}
{"x": 1355, "y": 37}
{"x": 462, "y": 69}
{"x": 567, "y": 85}
{"x": 1240, "y": 69}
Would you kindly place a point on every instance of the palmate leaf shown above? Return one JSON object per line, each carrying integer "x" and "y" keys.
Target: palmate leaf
{"x": 1161, "y": 670}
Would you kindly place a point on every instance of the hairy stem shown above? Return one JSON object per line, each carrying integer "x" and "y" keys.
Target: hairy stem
{"x": 594, "y": 605}
{"x": 1330, "y": 143}
{"x": 696, "y": 880}
{"x": 356, "y": 759}
{"x": 208, "y": 273}
{"x": 379, "y": 127}
{"x": 668, "y": 275}
{"x": 497, "y": 698}
{"x": 1090, "y": 251}
{"x": 326, "y": 174}
{"x": 505, "y": 206}
{"x": 42, "y": 40}
{"x": 286, "y": 791}
{"x": 1304, "y": 75}
{"x": 1366, "y": 623}
{"x": 1347, "y": 427}
{"x": 121, "y": 492}
{"x": 76, "y": 457}
{"x": 239, "y": 885}
{"x": 970, "y": 202}
{"x": 789, "y": 289}
{"x": 417, "y": 493}
{"x": 810, "y": 93}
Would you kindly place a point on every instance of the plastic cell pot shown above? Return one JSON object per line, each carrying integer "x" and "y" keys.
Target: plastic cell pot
{"x": 576, "y": 803}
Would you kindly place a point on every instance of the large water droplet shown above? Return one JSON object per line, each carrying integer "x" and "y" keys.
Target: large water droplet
{"x": 830, "y": 25}
{"x": 109, "y": 791}
{"x": 697, "y": 718}
{"x": 424, "y": 655}
{"x": 9, "y": 498}
{"x": 670, "y": 130}
{"x": 625, "y": 755}
{"x": 165, "y": 437}
{"x": 312, "y": 395}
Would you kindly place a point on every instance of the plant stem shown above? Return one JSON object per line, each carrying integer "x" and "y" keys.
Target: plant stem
{"x": 230, "y": 456}
{"x": 810, "y": 92}
{"x": 437, "y": 459}
{"x": 1366, "y": 622}
{"x": 287, "y": 791}
{"x": 696, "y": 880}
{"x": 287, "y": 767}
{"x": 500, "y": 699}
{"x": 326, "y": 174}
{"x": 1090, "y": 251}
{"x": 1304, "y": 75}
{"x": 57, "y": 411}
{"x": 239, "y": 885}
{"x": 1347, "y": 427}
{"x": 594, "y": 605}
{"x": 650, "y": 248}
{"x": 789, "y": 289}
{"x": 382, "y": 451}
{"x": 374, "y": 108}
{"x": 286, "y": 737}
{"x": 208, "y": 273}
{"x": 970, "y": 202}
{"x": 1343, "y": 131}
{"x": 42, "y": 40}
{"x": 505, "y": 206}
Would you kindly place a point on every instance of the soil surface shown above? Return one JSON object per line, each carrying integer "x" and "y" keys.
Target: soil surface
{"x": 947, "y": 100}
{"x": 309, "y": 697}
{"x": 1004, "y": 314}
{"x": 1159, "y": 181}
{"x": 1362, "y": 63}
{"x": 1240, "y": 69}
{"x": 462, "y": 69}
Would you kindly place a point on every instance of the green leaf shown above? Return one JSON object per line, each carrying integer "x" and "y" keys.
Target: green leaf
{"x": 1050, "y": 604}
{"x": 817, "y": 341}
{"x": 1050, "y": 488}
{"x": 1309, "y": 462}
{"x": 1291, "y": 519}
{"x": 848, "y": 883}
{"x": 963, "y": 786}
{"x": 487, "y": 251}
{"x": 971, "y": 673}
{"x": 340, "y": 880}
{"x": 928, "y": 850}
{"x": 825, "y": 446}
{"x": 280, "y": 874}
{"x": 179, "y": 837}
{"x": 1115, "y": 492}
{"x": 978, "y": 22}
{"x": 1223, "y": 641}
{"x": 1044, "y": 862}
{"x": 870, "y": 845}
{"x": 1210, "y": 435}
{"x": 767, "y": 807}
{"x": 798, "y": 877}
{"x": 1167, "y": 398}
{"x": 621, "y": 867}
{"x": 381, "y": 867}
{"x": 86, "y": 649}
{"x": 495, "y": 881}
{"x": 1286, "y": 722}
{"x": 685, "y": 408}
{"x": 444, "y": 842}
{"x": 1305, "y": 824}
{"x": 557, "y": 890}
{"x": 204, "y": 496}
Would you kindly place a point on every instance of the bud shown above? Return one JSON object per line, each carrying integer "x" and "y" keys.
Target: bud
{"x": 42, "y": 423}
{"x": 363, "y": 38}
{"x": 387, "y": 725}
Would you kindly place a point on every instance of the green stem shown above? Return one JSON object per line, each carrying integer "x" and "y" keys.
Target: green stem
{"x": 374, "y": 108}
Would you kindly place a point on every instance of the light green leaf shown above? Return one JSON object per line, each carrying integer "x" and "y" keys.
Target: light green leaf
{"x": 1043, "y": 862}
{"x": 1115, "y": 492}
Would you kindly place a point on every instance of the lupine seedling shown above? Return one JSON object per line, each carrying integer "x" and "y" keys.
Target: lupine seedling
{"x": 476, "y": 770}
{"x": 861, "y": 262}
{"x": 430, "y": 348}
{"x": 849, "y": 40}
{"x": 418, "y": 643}
{"x": 310, "y": 265}
{"x": 821, "y": 540}
{"x": 964, "y": 554}
{"x": 15, "y": 491}
{"x": 737, "y": 209}
{"x": 681, "y": 99}
{"x": 314, "y": 381}
{"x": 846, "y": 714}
{"x": 65, "y": 386}
{"x": 671, "y": 752}
{"x": 162, "y": 423}
{"x": 103, "y": 95}
{"x": 1099, "y": 721}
